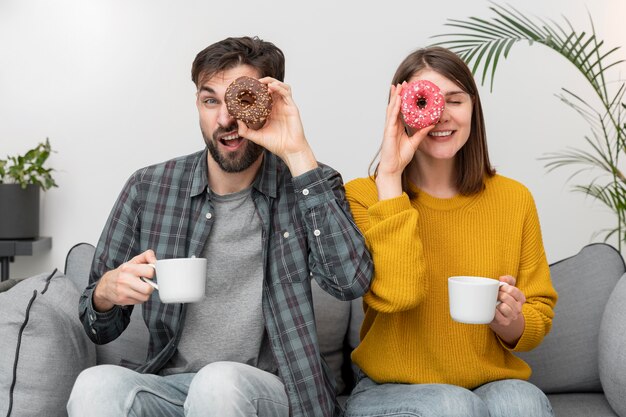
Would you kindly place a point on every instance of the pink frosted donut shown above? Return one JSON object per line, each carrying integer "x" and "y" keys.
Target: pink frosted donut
{"x": 422, "y": 104}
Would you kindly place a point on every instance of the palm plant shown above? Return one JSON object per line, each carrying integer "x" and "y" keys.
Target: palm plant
{"x": 483, "y": 43}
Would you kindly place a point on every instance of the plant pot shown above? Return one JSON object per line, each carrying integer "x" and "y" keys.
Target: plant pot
{"x": 19, "y": 211}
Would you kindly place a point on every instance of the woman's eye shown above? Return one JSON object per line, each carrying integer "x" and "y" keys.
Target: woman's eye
{"x": 453, "y": 102}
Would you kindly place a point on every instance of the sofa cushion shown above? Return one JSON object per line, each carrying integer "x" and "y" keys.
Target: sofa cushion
{"x": 331, "y": 319}
{"x": 43, "y": 345}
{"x": 131, "y": 348}
{"x": 567, "y": 360}
{"x": 580, "y": 405}
{"x": 612, "y": 345}
{"x": 356, "y": 319}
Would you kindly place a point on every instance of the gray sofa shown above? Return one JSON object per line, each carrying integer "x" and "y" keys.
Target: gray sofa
{"x": 581, "y": 365}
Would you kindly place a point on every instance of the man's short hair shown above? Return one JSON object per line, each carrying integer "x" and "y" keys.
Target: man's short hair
{"x": 264, "y": 56}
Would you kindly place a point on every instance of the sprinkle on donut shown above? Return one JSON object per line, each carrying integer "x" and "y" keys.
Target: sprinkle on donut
{"x": 422, "y": 104}
{"x": 249, "y": 100}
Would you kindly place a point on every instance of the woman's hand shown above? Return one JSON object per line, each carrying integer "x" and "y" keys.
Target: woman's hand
{"x": 283, "y": 134}
{"x": 509, "y": 320}
{"x": 398, "y": 148}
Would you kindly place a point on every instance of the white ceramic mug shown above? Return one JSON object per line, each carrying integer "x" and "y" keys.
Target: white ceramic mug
{"x": 473, "y": 300}
{"x": 179, "y": 280}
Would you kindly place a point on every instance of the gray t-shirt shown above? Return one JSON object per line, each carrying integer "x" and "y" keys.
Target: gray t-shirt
{"x": 228, "y": 325}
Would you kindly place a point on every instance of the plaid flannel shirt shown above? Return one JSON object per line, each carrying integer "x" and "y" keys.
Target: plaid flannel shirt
{"x": 308, "y": 232}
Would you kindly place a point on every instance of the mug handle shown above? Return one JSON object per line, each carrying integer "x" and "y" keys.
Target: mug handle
{"x": 151, "y": 283}
{"x": 497, "y": 302}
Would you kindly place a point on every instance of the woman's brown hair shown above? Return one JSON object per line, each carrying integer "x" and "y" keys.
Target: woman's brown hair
{"x": 472, "y": 161}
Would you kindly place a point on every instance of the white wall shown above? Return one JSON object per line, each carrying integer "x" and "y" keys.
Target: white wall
{"x": 109, "y": 82}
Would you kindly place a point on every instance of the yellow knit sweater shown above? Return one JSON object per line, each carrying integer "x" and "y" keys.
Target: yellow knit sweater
{"x": 407, "y": 335}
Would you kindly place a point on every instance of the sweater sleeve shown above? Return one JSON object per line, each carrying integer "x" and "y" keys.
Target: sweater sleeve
{"x": 534, "y": 281}
{"x": 391, "y": 233}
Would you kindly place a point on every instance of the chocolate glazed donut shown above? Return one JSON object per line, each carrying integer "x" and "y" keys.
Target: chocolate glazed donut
{"x": 249, "y": 100}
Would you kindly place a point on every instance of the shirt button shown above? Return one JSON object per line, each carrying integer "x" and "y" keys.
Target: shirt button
{"x": 286, "y": 235}
{"x": 93, "y": 331}
{"x": 92, "y": 317}
{"x": 316, "y": 232}
{"x": 208, "y": 215}
{"x": 305, "y": 191}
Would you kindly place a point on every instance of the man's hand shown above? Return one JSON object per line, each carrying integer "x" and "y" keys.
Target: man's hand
{"x": 283, "y": 134}
{"x": 123, "y": 286}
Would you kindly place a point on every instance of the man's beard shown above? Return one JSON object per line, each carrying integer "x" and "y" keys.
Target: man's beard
{"x": 231, "y": 161}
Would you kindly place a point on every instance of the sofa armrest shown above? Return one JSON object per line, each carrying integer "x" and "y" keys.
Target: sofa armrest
{"x": 43, "y": 346}
{"x": 612, "y": 349}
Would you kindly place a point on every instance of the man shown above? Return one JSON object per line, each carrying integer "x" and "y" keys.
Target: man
{"x": 269, "y": 219}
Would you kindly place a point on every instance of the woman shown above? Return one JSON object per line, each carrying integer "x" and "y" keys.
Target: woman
{"x": 435, "y": 208}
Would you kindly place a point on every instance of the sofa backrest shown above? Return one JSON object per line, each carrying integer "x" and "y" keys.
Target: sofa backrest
{"x": 567, "y": 360}
{"x": 131, "y": 347}
{"x": 43, "y": 346}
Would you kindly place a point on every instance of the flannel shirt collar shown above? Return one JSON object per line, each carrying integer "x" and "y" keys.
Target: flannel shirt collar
{"x": 200, "y": 181}
{"x": 265, "y": 182}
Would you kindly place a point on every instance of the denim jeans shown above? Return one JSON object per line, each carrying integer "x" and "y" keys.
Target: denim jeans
{"x": 506, "y": 398}
{"x": 225, "y": 389}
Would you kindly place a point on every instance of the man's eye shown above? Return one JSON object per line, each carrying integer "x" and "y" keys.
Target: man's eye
{"x": 209, "y": 100}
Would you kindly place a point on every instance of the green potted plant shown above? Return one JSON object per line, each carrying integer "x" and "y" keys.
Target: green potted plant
{"x": 483, "y": 43}
{"x": 21, "y": 179}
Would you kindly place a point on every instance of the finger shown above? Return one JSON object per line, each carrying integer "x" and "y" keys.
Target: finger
{"x": 395, "y": 108}
{"x": 398, "y": 90}
{"x": 244, "y": 131}
{"x": 392, "y": 122}
{"x": 122, "y": 291}
{"x": 393, "y": 98}
{"x": 130, "y": 270}
{"x": 282, "y": 89}
{"x": 419, "y": 135}
{"x": 267, "y": 80}
{"x": 506, "y": 311}
{"x": 512, "y": 303}
{"x": 147, "y": 257}
{"x": 499, "y": 318}
{"x": 509, "y": 279}
{"x": 138, "y": 286}
{"x": 423, "y": 132}
{"x": 392, "y": 92}
{"x": 513, "y": 292}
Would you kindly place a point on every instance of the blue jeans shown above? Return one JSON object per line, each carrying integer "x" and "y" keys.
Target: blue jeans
{"x": 225, "y": 389}
{"x": 506, "y": 398}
